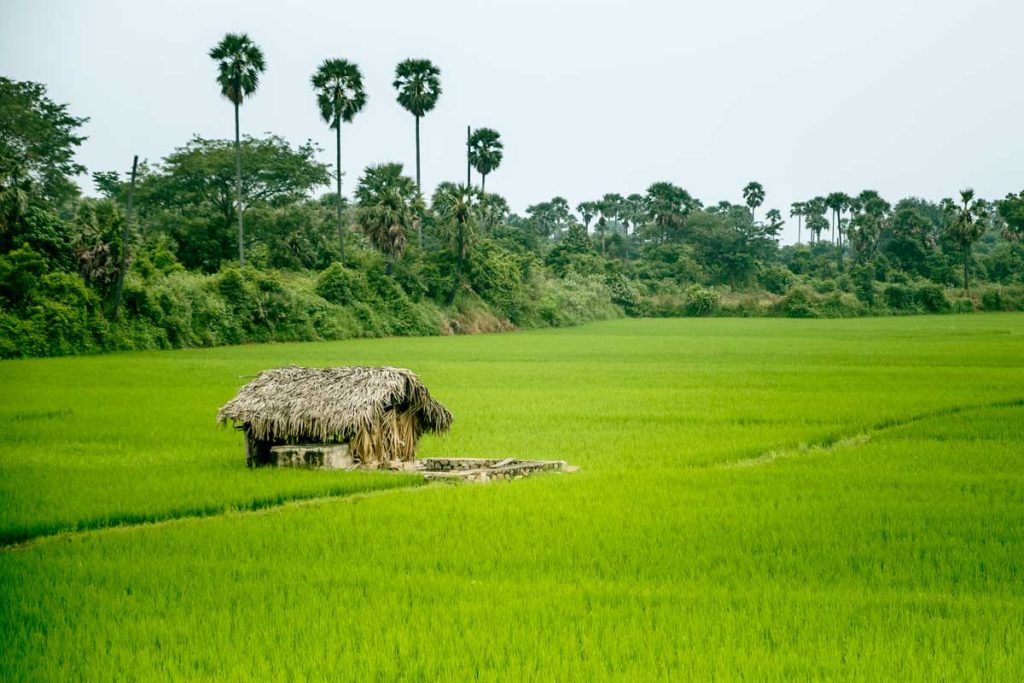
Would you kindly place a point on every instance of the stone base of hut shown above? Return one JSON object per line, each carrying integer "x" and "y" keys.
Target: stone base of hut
{"x": 339, "y": 457}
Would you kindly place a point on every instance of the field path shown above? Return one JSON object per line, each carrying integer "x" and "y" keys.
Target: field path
{"x": 202, "y": 516}
{"x": 835, "y": 442}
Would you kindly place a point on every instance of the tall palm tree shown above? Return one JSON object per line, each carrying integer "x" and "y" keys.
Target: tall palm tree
{"x": 587, "y": 211}
{"x": 837, "y": 203}
{"x": 485, "y": 152}
{"x": 339, "y": 93}
{"x": 753, "y": 195}
{"x": 456, "y": 207}
{"x": 798, "y": 210}
{"x": 386, "y": 208}
{"x": 965, "y": 225}
{"x": 239, "y": 65}
{"x": 418, "y": 83}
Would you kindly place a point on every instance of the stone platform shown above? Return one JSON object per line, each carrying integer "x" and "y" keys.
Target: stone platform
{"x": 337, "y": 457}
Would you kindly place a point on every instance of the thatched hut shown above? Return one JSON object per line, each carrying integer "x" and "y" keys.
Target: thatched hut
{"x": 379, "y": 412}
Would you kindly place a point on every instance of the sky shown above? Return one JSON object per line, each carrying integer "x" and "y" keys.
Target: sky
{"x": 807, "y": 97}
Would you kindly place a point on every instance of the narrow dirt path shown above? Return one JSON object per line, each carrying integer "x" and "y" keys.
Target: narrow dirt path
{"x": 831, "y": 443}
{"x": 197, "y": 517}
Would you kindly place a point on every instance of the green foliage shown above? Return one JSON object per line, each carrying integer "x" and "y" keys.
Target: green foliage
{"x": 700, "y": 301}
{"x": 799, "y": 302}
{"x": 900, "y": 298}
{"x": 776, "y": 279}
{"x": 933, "y": 299}
{"x": 38, "y": 139}
{"x": 189, "y": 197}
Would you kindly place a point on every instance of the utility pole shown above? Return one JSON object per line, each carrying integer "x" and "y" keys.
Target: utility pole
{"x": 469, "y": 180}
{"x": 124, "y": 242}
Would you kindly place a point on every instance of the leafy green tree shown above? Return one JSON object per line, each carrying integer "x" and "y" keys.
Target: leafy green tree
{"x": 190, "y": 196}
{"x": 418, "y": 83}
{"x": 340, "y": 96}
{"x": 456, "y": 208}
{"x": 485, "y": 153}
{"x": 753, "y": 195}
{"x": 387, "y": 205}
{"x": 965, "y": 226}
{"x": 239, "y": 65}
{"x": 38, "y": 139}
{"x": 1011, "y": 210}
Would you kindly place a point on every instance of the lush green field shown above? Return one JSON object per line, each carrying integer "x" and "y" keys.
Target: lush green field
{"x": 758, "y": 498}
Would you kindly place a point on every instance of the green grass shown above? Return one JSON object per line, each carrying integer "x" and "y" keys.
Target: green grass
{"x": 896, "y": 554}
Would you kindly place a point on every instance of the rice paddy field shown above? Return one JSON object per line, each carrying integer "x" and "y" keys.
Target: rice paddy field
{"x": 758, "y": 499}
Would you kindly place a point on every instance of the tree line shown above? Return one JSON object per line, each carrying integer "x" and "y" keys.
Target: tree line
{"x": 235, "y": 240}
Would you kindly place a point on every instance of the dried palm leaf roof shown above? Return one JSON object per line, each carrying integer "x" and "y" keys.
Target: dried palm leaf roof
{"x": 330, "y": 403}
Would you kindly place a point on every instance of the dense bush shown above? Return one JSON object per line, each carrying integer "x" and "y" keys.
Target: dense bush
{"x": 701, "y": 301}
{"x": 933, "y": 299}
{"x": 900, "y": 298}
{"x": 799, "y": 302}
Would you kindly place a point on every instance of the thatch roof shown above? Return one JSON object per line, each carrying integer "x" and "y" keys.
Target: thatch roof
{"x": 326, "y": 404}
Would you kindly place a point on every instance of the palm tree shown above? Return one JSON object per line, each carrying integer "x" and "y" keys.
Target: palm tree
{"x": 485, "y": 152}
{"x": 965, "y": 225}
{"x": 816, "y": 222}
{"x": 587, "y": 211}
{"x": 456, "y": 207}
{"x": 339, "y": 93}
{"x": 239, "y": 65}
{"x": 387, "y": 206}
{"x": 798, "y": 210}
{"x": 753, "y": 195}
{"x": 610, "y": 207}
{"x": 837, "y": 202}
{"x": 418, "y": 83}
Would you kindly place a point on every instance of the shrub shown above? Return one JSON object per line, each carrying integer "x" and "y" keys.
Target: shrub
{"x": 933, "y": 298}
{"x": 798, "y": 303}
{"x": 900, "y": 298}
{"x": 841, "y": 305}
{"x": 992, "y": 300}
{"x": 341, "y": 285}
{"x": 776, "y": 279}
{"x": 700, "y": 301}
{"x": 963, "y": 304}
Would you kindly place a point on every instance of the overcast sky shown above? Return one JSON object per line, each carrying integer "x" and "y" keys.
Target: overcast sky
{"x": 906, "y": 97}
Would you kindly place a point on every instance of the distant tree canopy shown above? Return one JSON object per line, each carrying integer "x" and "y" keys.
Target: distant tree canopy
{"x": 190, "y": 196}
{"x": 658, "y": 252}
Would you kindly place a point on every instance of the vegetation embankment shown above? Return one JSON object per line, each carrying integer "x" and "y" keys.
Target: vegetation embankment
{"x": 224, "y": 242}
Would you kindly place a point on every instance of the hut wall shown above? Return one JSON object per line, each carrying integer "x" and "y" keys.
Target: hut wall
{"x": 257, "y": 452}
{"x": 393, "y": 437}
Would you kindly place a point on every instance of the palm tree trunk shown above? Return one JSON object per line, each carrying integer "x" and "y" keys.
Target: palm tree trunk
{"x": 337, "y": 177}
{"x": 238, "y": 190}
{"x": 799, "y": 228}
{"x": 418, "y": 154}
{"x": 461, "y": 246}
{"x": 967, "y": 253}
{"x": 419, "y": 224}
{"x": 483, "y": 182}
